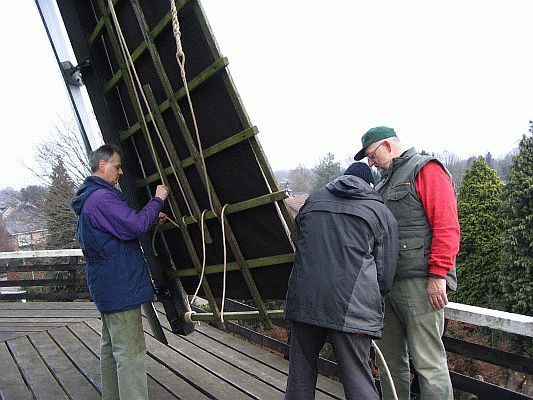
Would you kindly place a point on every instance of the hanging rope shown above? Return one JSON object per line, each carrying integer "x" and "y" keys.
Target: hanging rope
{"x": 133, "y": 73}
{"x": 225, "y": 264}
{"x": 180, "y": 57}
{"x": 203, "y": 258}
{"x": 387, "y": 371}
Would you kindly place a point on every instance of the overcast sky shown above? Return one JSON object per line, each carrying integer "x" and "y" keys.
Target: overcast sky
{"x": 314, "y": 76}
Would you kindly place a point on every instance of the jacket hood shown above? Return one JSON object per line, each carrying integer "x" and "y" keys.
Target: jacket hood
{"x": 352, "y": 187}
{"x": 91, "y": 184}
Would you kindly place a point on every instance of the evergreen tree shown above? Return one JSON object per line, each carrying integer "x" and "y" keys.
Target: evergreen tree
{"x": 326, "y": 171}
{"x": 516, "y": 275}
{"x": 60, "y": 218}
{"x": 479, "y": 205}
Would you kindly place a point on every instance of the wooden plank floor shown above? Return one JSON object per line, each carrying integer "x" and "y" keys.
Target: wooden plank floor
{"x": 51, "y": 351}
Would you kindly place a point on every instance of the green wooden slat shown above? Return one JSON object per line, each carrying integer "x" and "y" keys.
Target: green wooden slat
{"x": 203, "y": 76}
{"x": 180, "y": 174}
{"x": 237, "y": 315}
{"x": 245, "y": 120}
{"x": 245, "y": 205}
{"x": 216, "y": 148}
{"x": 233, "y": 266}
{"x": 143, "y": 25}
{"x": 161, "y": 25}
{"x": 99, "y": 26}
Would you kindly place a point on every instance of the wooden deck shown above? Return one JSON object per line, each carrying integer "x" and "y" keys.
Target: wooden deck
{"x": 51, "y": 351}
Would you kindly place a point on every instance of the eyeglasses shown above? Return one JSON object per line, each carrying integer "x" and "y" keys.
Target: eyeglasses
{"x": 372, "y": 155}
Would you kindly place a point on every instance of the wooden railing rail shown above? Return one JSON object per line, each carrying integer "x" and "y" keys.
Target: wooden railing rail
{"x": 49, "y": 275}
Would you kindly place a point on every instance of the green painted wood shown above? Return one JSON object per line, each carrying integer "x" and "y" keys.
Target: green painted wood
{"x": 72, "y": 381}
{"x": 12, "y": 386}
{"x": 253, "y": 263}
{"x": 99, "y": 27}
{"x": 247, "y": 204}
{"x": 168, "y": 143}
{"x": 172, "y": 102}
{"x": 37, "y": 375}
{"x": 161, "y": 25}
{"x": 210, "y": 71}
{"x": 237, "y": 316}
{"x": 212, "y": 150}
{"x": 245, "y": 120}
{"x": 139, "y": 114}
{"x": 174, "y": 159}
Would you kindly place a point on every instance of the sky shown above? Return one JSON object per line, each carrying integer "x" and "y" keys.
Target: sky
{"x": 314, "y": 76}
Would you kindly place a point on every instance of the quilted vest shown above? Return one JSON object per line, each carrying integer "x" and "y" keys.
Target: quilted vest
{"x": 397, "y": 188}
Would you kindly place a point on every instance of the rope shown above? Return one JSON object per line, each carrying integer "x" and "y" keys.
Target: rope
{"x": 203, "y": 258}
{"x": 387, "y": 371}
{"x": 157, "y": 229}
{"x": 133, "y": 73}
{"x": 225, "y": 264}
{"x": 180, "y": 58}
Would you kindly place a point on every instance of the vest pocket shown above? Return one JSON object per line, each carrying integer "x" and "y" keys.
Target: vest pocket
{"x": 411, "y": 251}
{"x": 398, "y": 203}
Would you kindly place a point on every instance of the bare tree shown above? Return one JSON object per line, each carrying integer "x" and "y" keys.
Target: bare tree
{"x": 67, "y": 144}
{"x": 455, "y": 165}
{"x": 301, "y": 179}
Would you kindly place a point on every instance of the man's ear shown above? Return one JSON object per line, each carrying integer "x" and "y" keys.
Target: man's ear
{"x": 101, "y": 165}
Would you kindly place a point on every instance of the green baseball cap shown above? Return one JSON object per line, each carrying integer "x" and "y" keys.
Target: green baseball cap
{"x": 371, "y": 136}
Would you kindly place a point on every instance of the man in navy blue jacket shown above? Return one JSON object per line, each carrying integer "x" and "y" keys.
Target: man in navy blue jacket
{"x": 344, "y": 265}
{"x": 117, "y": 274}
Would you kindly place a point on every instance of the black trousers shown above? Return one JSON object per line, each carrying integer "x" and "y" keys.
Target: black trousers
{"x": 351, "y": 351}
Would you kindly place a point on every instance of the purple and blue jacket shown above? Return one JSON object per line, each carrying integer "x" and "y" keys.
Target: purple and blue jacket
{"x": 108, "y": 228}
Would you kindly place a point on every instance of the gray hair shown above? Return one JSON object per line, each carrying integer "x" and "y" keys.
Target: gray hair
{"x": 103, "y": 153}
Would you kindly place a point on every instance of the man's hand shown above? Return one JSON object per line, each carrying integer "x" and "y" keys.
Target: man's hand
{"x": 437, "y": 292}
{"x": 162, "y": 217}
{"x": 161, "y": 191}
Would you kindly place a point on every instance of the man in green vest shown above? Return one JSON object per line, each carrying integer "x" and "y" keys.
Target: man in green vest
{"x": 419, "y": 192}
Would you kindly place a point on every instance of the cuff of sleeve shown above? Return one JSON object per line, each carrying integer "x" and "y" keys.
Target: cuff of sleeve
{"x": 438, "y": 272}
{"x": 158, "y": 200}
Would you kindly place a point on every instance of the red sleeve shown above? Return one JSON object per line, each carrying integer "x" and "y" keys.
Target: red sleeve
{"x": 435, "y": 189}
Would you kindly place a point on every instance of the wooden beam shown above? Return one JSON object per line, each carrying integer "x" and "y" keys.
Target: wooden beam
{"x": 138, "y": 112}
{"x": 41, "y": 254}
{"x": 270, "y": 179}
{"x": 245, "y": 205}
{"x": 501, "y": 320}
{"x": 233, "y": 266}
{"x": 210, "y": 71}
{"x": 194, "y": 151}
{"x": 237, "y": 315}
{"x": 212, "y": 150}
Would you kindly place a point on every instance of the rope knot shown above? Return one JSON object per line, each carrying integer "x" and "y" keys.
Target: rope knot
{"x": 187, "y": 317}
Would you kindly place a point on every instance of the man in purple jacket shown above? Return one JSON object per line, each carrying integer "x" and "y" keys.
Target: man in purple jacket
{"x": 117, "y": 274}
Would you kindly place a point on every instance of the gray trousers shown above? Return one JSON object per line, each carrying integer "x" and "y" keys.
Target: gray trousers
{"x": 122, "y": 355}
{"x": 414, "y": 329}
{"x": 351, "y": 351}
